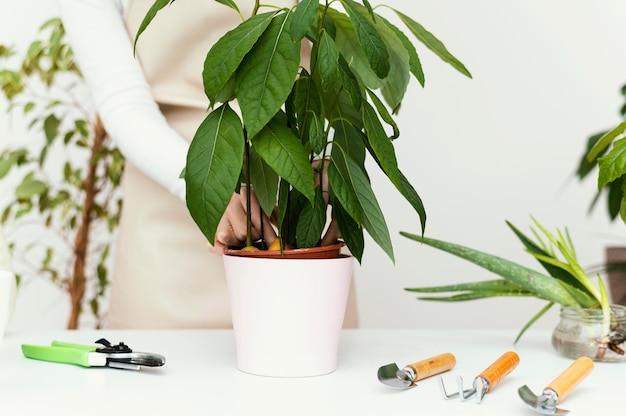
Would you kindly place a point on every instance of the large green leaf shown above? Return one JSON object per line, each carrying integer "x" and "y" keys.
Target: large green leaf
{"x": 227, "y": 53}
{"x": 348, "y": 183}
{"x": 213, "y": 168}
{"x": 284, "y": 153}
{"x": 546, "y": 286}
{"x": 267, "y": 73}
{"x": 613, "y": 165}
{"x": 432, "y": 43}
{"x": 369, "y": 38}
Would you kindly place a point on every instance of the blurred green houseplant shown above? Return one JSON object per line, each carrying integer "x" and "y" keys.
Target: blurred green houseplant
{"x": 66, "y": 182}
{"x": 605, "y": 153}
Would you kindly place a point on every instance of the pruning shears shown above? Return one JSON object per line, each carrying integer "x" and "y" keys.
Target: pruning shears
{"x": 108, "y": 355}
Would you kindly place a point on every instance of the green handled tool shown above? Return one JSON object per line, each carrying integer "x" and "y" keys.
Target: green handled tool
{"x": 109, "y": 355}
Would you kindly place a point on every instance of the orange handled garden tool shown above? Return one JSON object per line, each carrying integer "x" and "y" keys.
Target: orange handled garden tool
{"x": 406, "y": 377}
{"x": 555, "y": 392}
{"x": 485, "y": 381}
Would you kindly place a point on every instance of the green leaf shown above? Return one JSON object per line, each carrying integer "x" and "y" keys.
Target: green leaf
{"x": 605, "y": 141}
{"x": 213, "y": 167}
{"x": 537, "y": 251}
{"x": 265, "y": 182}
{"x": 415, "y": 64}
{"x": 350, "y": 83}
{"x": 267, "y": 73}
{"x": 30, "y": 188}
{"x": 351, "y": 231}
{"x": 384, "y": 114}
{"x": 228, "y": 52}
{"x": 370, "y": 40}
{"x": 381, "y": 145}
{"x": 497, "y": 285}
{"x": 311, "y": 222}
{"x": 327, "y": 61}
{"x": 533, "y": 320}
{"x": 306, "y": 101}
{"x": 476, "y": 295}
{"x": 348, "y": 181}
{"x": 586, "y": 166}
{"x": 410, "y": 194}
{"x": 231, "y": 4}
{"x": 613, "y": 165}
{"x": 303, "y": 18}
{"x": 432, "y": 43}
{"x": 317, "y": 136}
{"x": 284, "y": 153}
{"x": 368, "y": 6}
{"x": 154, "y": 9}
{"x": 543, "y": 285}
{"x": 51, "y": 127}
{"x": 6, "y": 163}
{"x": 349, "y": 139}
{"x": 351, "y": 51}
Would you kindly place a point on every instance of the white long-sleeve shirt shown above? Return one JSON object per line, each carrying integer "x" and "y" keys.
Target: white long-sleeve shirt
{"x": 103, "y": 51}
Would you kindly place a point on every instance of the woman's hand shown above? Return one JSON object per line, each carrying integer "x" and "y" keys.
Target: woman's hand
{"x": 231, "y": 230}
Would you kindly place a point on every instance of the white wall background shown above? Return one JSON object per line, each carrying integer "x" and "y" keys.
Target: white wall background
{"x": 502, "y": 146}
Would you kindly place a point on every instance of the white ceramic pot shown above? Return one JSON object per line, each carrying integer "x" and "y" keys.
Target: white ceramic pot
{"x": 288, "y": 314}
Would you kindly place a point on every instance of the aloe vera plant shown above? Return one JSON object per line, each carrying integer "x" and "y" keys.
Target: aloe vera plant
{"x": 564, "y": 282}
{"x": 299, "y": 117}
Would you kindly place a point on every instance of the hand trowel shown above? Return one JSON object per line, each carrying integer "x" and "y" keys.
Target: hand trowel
{"x": 555, "y": 392}
{"x": 406, "y": 377}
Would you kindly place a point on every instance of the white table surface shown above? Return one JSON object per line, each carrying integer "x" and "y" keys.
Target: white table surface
{"x": 200, "y": 377}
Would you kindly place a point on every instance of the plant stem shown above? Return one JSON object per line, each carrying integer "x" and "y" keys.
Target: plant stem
{"x": 246, "y": 166}
{"x": 77, "y": 282}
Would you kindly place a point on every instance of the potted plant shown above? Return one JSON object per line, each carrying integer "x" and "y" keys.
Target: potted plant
{"x": 589, "y": 325}
{"x": 301, "y": 119}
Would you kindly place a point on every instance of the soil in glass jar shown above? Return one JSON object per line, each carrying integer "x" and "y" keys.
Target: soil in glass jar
{"x": 580, "y": 333}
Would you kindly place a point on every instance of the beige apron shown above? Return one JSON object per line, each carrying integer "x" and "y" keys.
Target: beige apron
{"x": 164, "y": 276}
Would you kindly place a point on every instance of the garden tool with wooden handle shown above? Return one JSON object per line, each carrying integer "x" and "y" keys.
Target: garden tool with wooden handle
{"x": 406, "y": 377}
{"x": 485, "y": 381}
{"x": 555, "y": 392}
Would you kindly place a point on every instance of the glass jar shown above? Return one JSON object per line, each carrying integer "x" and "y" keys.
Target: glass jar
{"x": 579, "y": 333}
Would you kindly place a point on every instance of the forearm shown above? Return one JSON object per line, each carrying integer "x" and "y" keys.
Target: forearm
{"x": 104, "y": 52}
